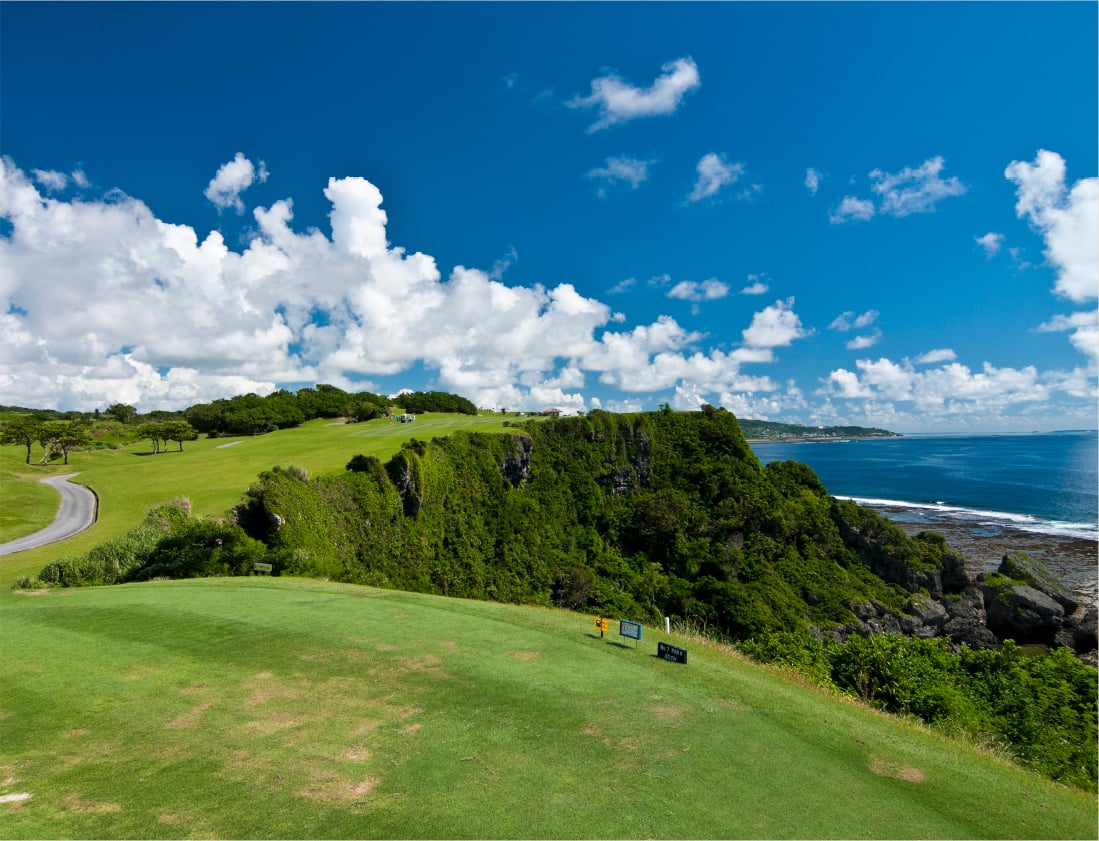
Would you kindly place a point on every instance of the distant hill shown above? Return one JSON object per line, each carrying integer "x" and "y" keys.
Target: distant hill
{"x": 759, "y": 430}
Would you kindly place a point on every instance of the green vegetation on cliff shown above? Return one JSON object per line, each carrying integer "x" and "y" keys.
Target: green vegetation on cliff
{"x": 648, "y": 515}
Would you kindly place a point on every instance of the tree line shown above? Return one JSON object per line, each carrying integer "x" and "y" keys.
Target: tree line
{"x": 248, "y": 414}
{"x": 56, "y": 438}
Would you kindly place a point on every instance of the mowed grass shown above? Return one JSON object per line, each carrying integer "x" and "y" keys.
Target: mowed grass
{"x": 212, "y": 473}
{"x": 290, "y": 708}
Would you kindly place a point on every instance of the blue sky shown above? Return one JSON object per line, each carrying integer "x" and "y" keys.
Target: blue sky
{"x": 880, "y": 214}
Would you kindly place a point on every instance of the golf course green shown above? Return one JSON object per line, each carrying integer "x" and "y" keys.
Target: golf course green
{"x": 288, "y": 708}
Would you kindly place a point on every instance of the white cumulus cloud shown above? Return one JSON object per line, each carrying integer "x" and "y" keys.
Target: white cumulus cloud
{"x": 621, "y": 170}
{"x": 714, "y": 172}
{"x": 707, "y": 290}
{"x": 863, "y": 342}
{"x": 170, "y": 318}
{"x": 51, "y": 179}
{"x": 991, "y": 242}
{"x": 775, "y": 326}
{"x": 849, "y": 321}
{"x": 1067, "y": 219}
{"x": 937, "y": 355}
{"x": 812, "y": 180}
{"x": 617, "y": 101}
{"x": 1084, "y": 327}
{"x": 231, "y": 180}
{"x": 852, "y": 208}
{"x": 755, "y": 286}
{"x": 914, "y": 190}
{"x": 950, "y": 391}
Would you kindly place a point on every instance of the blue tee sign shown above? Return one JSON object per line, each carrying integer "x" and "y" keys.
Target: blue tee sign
{"x": 629, "y": 629}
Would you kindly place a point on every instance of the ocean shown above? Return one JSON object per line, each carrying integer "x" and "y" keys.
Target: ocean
{"x": 987, "y": 494}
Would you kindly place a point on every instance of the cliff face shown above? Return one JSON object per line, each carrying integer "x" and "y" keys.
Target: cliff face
{"x": 637, "y": 516}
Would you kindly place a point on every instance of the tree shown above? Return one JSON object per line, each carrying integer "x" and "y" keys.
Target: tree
{"x": 207, "y": 417}
{"x": 73, "y": 436}
{"x": 60, "y": 436}
{"x": 155, "y": 432}
{"x": 121, "y": 412}
{"x": 179, "y": 431}
{"x": 23, "y": 431}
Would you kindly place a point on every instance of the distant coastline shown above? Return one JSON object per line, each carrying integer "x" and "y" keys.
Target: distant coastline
{"x": 814, "y": 439}
{"x": 769, "y": 432}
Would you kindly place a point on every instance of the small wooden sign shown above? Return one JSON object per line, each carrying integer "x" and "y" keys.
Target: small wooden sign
{"x": 262, "y": 567}
{"x": 673, "y": 653}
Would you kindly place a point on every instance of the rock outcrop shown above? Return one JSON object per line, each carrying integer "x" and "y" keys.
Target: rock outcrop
{"x": 516, "y": 466}
{"x": 1023, "y": 601}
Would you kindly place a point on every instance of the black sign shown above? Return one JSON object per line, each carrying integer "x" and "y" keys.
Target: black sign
{"x": 671, "y": 652}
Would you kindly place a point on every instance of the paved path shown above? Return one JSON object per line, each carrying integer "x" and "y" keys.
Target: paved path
{"x": 77, "y": 512}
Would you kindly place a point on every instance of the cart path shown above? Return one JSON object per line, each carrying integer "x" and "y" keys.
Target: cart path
{"x": 76, "y": 513}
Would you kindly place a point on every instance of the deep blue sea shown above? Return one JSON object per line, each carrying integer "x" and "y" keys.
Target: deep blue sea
{"x": 1039, "y": 483}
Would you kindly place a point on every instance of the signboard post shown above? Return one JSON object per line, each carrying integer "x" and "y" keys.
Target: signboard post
{"x": 632, "y": 630}
{"x": 262, "y": 568}
{"x": 601, "y": 625}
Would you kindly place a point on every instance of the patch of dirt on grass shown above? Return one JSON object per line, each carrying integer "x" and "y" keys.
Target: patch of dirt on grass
{"x": 90, "y": 807}
{"x": 356, "y": 754}
{"x": 425, "y": 663}
{"x": 340, "y": 790}
{"x": 273, "y": 723}
{"x": 411, "y": 729}
{"x": 364, "y": 728}
{"x": 884, "y": 767}
{"x": 385, "y": 646}
{"x": 189, "y": 718}
{"x": 192, "y": 690}
{"x": 72, "y": 734}
{"x": 592, "y": 730}
{"x": 15, "y": 798}
{"x": 667, "y": 713}
{"x": 523, "y": 656}
{"x": 263, "y": 689}
{"x": 400, "y": 713}
{"x": 41, "y": 592}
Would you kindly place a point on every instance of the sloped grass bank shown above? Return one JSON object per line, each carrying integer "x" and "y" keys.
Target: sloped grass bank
{"x": 259, "y": 708}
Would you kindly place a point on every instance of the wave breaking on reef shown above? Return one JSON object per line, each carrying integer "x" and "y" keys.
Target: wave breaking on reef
{"x": 1071, "y": 550}
{"x": 975, "y": 517}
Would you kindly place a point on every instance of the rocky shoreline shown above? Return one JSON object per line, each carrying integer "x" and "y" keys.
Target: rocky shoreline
{"x": 981, "y": 602}
{"x": 1074, "y": 560}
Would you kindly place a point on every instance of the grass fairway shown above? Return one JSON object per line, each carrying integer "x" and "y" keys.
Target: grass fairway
{"x": 212, "y": 473}
{"x": 293, "y": 708}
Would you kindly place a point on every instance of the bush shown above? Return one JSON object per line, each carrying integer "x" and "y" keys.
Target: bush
{"x": 1042, "y": 710}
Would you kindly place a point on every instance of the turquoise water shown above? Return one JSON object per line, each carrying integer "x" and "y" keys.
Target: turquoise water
{"x": 1041, "y": 483}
